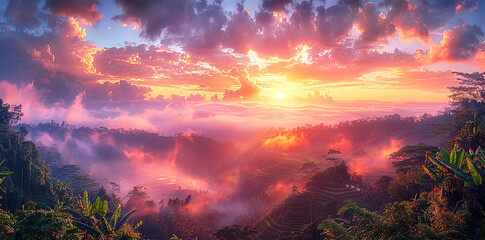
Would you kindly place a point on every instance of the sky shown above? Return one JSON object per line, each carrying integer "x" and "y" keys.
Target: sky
{"x": 90, "y": 58}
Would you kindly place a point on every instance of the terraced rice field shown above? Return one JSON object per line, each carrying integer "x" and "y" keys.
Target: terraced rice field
{"x": 323, "y": 195}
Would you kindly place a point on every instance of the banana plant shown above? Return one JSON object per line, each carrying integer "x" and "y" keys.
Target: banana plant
{"x": 93, "y": 218}
{"x": 466, "y": 166}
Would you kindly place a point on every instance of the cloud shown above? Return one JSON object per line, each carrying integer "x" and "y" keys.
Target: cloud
{"x": 27, "y": 60}
{"x": 335, "y": 22}
{"x": 458, "y": 44}
{"x": 275, "y": 5}
{"x": 374, "y": 28}
{"x": 240, "y": 31}
{"x": 155, "y": 16}
{"x": 315, "y": 98}
{"x": 71, "y": 8}
{"x": 247, "y": 92}
{"x": 412, "y": 21}
{"x": 23, "y": 13}
{"x": 118, "y": 91}
{"x": 480, "y": 56}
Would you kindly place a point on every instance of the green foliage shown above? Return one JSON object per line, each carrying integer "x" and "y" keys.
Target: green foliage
{"x": 92, "y": 220}
{"x": 174, "y": 237}
{"x": 459, "y": 164}
{"x": 7, "y": 222}
{"x": 31, "y": 180}
{"x": 3, "y": 173}
{"x": 421, "y": 219}
{"x": 9, "y": 114}
{"x": 127, "y": 232}
{"x": 410, "y": 157}
{"x": 471, "y": 88}
{"x": 467, "y": 168}
{"x": 406, "y": 185}
{"x": 235, "y": 232}
{"x": 43, "y": 224}
{"x": 332, "y": 230}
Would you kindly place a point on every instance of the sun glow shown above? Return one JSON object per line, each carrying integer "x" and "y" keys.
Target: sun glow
{"x": 280, "y": 96}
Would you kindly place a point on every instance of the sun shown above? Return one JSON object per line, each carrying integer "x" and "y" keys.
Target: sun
{"x": 280, "y": 96}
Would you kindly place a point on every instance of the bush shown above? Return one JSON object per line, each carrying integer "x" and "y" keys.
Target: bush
{"x": 46, "y": 225}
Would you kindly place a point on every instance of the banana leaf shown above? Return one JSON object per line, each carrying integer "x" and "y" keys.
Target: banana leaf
{"x": 452, "y": 169}
{"x": 89, "y": 230}
{"x": 459, "y": 158}
{"x": 124, "y": 219}
{"x": 453, "y": 156}
{"x": 444, "y": 153}
{"x": 430, "y": 173}
{"x": 115, "y": 216}
{"x": 477, "y": 178}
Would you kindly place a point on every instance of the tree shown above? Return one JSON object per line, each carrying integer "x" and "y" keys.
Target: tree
{"x": 468, "y": 108}
{"x": 9, "y": 114}
{"x": 411, "y": 157}
{"x": 470, "y": 90}
{"x": 31, "y": 180}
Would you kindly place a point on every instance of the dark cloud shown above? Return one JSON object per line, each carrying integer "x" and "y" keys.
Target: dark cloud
{"x": 74, "y": 8}
{"x": 374, "y": 29}
{"x": 118, "y": 91}
{"x": 302, "y": 18}
{"x": 335, "y": 22}
{"x": 23, "y": 13}
{"x": 206, "y": 30}
{"x": 416, "y": 19}
{"x": 276, "y": 5}
{"x": 25, "y": 59}
{"x": 240, "y": 31}
{"x": 131, "y": 61}
{"x": 156, "y": 16}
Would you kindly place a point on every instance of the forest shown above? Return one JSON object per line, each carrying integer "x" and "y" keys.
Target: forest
{"x": 436, "y": 191}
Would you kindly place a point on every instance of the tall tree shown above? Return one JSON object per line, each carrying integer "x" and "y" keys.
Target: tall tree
{"x": 411, "y": 157}
{"x": 31, "y": 180}
{"x": 471, "y": 88}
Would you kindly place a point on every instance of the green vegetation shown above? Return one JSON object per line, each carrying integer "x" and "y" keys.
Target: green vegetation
{"x": 236, "y": 232}
{"x": 92, "y": 219}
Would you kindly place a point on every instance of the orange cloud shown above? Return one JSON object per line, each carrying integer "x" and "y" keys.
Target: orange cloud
{"x": 394, "y": 146}
{"x": 342, "y": 145}
{"x": 286, "y": 142}
{"x": 458, "y": 44}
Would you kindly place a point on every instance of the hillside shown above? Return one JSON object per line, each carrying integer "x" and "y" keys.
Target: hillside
{"x": 322, "y": 196}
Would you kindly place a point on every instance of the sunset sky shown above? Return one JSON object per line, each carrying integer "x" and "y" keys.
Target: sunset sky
{"x": 395, "y": 54}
